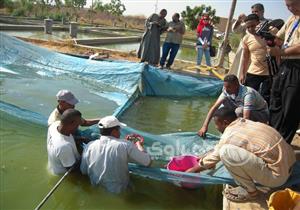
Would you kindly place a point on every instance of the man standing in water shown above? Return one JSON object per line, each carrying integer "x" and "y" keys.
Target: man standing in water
{"x": 67, "y": 100}
{"x": 149, "y": 49}
{"x": 105, "y": 160}
{"x": 61, "y": 147}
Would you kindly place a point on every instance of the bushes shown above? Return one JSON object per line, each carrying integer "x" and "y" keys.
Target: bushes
{"x": 234, "y": 40}
{"x": 57, "y": 16}
{"x": 19, "y": 12}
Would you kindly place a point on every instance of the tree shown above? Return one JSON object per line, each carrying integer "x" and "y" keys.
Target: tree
{"x": 191, "y": 16}
{"x": 115, "y": 7}
{"x": 99, "y": 6}
{"x": 79, "y": 3}
{"x": 58, "y": 3}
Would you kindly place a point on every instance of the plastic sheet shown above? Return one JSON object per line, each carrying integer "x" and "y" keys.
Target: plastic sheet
{"x": 124, "y": 82}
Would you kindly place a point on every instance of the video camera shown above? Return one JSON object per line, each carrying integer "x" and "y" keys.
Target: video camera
{"x": 264, "y": 30}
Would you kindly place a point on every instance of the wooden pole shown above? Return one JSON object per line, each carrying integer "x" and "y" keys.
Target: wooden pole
{"x": 53, "y": 189}
{"x": 225, "y": 42}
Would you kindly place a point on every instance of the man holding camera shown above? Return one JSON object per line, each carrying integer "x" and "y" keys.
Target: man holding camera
{"x": 255, "y": 50}
{"x": 285, "y": 93}
{"x": 239, "y": 27}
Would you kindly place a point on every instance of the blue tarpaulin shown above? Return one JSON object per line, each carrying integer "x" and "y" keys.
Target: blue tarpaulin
{"x": 124, "y": 82}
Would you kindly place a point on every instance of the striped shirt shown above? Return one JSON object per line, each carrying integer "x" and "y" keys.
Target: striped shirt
{"x": 247, "y": 97}
{"x": 260, "y": 139}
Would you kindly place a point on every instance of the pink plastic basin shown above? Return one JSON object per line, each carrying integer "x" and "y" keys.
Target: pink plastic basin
{"x": 182, "y": 163}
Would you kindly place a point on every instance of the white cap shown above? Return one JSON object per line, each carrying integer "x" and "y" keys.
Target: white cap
{"x": 110, "y": 122}
{"x": 67, "y": 96}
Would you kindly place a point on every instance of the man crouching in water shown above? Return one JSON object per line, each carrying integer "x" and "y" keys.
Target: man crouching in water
{"x": 252, "y": 152}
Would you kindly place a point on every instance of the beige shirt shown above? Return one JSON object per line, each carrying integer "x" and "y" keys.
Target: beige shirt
{"x": 283, "y": 34}
{"x": 260, "y": 139}
{"x": 54, "y": 116}
{"x": 175, "y": 37}
{"x": 258, "y": 50}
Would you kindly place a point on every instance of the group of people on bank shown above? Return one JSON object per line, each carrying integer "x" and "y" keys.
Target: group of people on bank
{"x": 255, "y": 142}
{"x": 258, "y": 128}
{"x": 156, "y": 24}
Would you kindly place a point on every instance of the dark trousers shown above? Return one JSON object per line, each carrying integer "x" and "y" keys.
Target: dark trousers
{"x": 173, "y": 49}
{"x": 255, "y": 81}
{"x": 285, "y": 99}
{"x": 261, "y": 83}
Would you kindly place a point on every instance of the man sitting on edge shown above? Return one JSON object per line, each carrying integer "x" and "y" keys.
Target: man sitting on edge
{"x": 61, "y": 148}
{"x": 105, "y": 160}
{"x": 252, "y": 152}
{"x": 245, "y": 101}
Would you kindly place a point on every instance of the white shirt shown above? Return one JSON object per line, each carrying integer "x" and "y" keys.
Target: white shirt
{"x": 54, "y": 116}
{"x": 105, "y": 161}
{"x": 62, "y": 151}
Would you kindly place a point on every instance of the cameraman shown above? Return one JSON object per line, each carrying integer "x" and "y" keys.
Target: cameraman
{"x": 255, "y": 50}
{"x": 285, "y": 93}
{"x": 239, "y": 27}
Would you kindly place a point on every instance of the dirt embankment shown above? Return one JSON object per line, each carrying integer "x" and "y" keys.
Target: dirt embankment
{"x": 69, "y": 47}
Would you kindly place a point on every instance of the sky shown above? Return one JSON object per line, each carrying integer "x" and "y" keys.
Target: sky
{"x": 273, "y": 8}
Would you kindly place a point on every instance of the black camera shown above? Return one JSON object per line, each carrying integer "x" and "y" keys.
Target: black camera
{"x": 264, "y": 30}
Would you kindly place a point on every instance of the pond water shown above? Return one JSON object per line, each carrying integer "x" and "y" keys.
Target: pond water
{"x": 184, "y": 53}
{"x": 168, "y": 115}
{"x": 56, "y": 35}
{"x": 24, "y": 178}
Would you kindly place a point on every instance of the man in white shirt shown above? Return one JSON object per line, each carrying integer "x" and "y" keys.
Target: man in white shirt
{"x": 61, "y": 148}
{"x": 67, "y": 100}
{"x": 105, "y": 160}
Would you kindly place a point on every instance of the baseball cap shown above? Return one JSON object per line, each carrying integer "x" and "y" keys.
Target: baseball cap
{"x": 67, "y": 96}
{"x": 110, "y": 122}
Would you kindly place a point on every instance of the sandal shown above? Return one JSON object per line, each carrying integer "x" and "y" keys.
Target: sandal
{"x": 228, "y": 187}
{"x": 238, "y": 194}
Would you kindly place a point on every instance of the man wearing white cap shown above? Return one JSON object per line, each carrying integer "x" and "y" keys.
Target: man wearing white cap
{"x": 66, "y": 100}
{"x": 105, "y": 160}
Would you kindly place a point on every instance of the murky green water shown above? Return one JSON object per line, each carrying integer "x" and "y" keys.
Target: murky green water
{"x": 184, "y": 53}
{"x": 168, "y": 115}
{"x": 56, "y": 35}
{"x": 24, "y": 179}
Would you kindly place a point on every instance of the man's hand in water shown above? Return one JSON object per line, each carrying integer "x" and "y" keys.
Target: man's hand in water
{"x": 202, "y": 131}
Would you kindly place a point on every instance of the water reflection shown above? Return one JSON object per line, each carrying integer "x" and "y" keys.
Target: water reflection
{"x": 167, "y": 115}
